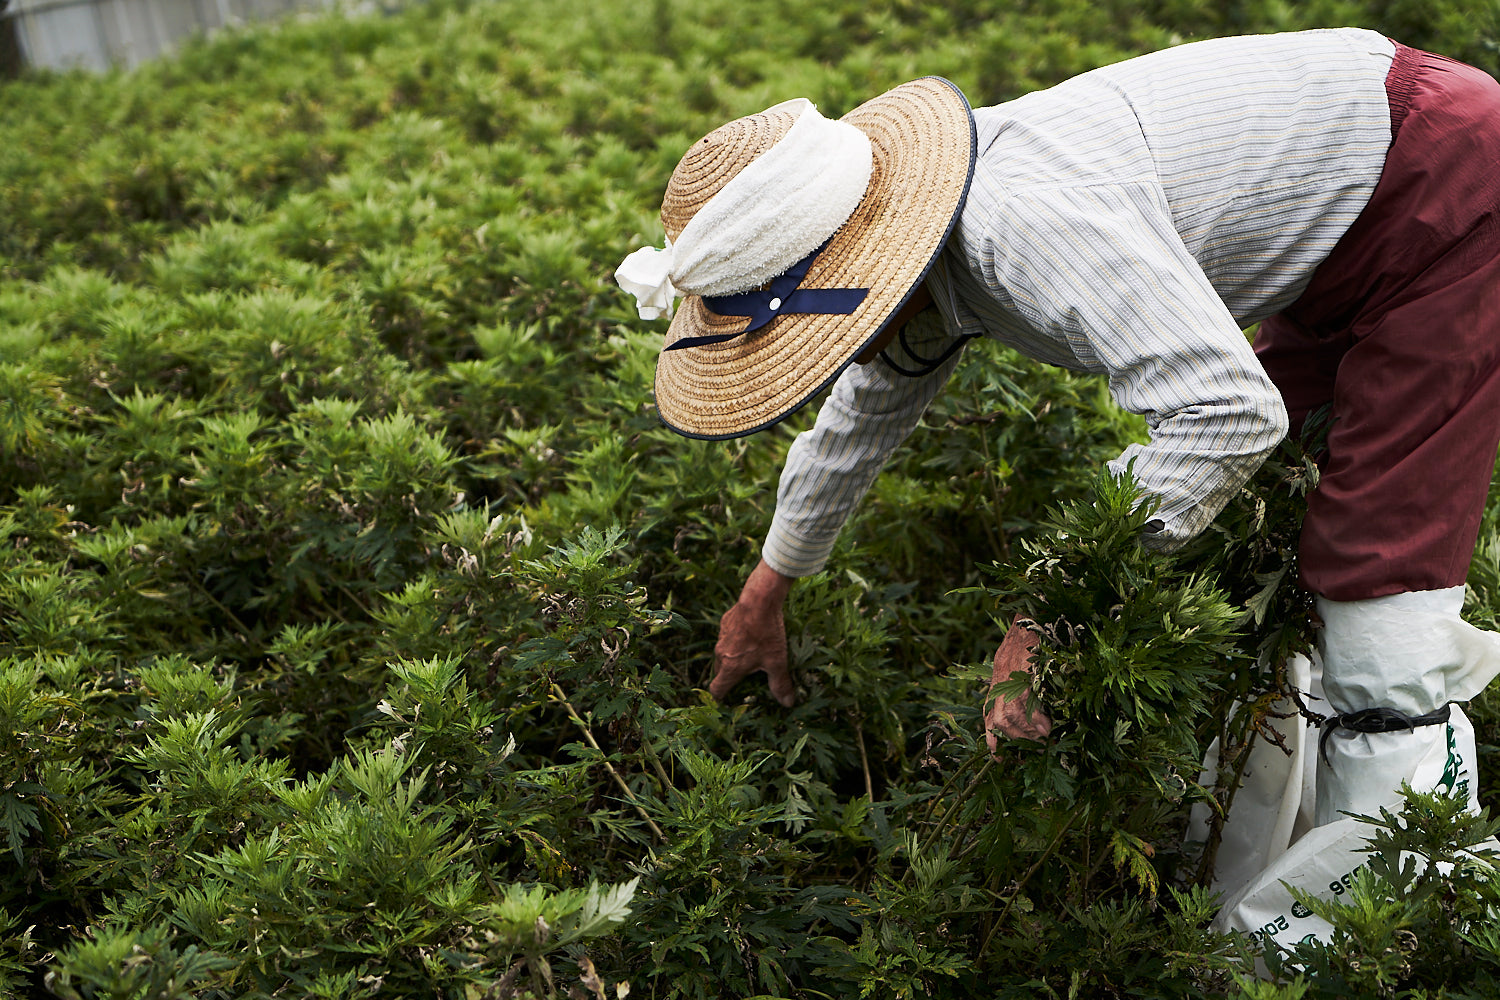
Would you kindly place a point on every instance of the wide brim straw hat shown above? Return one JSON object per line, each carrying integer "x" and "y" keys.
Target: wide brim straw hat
{"x": 725, "y": 382}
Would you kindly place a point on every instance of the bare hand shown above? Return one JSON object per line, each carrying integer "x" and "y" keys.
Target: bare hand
{"x": 1021, "y": 717}
{"x": 752, "y": 638}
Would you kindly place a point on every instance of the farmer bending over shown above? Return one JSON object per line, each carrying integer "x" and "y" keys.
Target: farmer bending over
{"x": 1338, "y": 188}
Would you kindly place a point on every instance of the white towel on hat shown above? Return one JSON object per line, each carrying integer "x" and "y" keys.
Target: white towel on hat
{"x": 782, "y": 206}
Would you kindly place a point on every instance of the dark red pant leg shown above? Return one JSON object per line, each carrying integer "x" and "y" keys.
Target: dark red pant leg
{"x": 1400, "y": 330}
{"x": 1411, "y": 448}
{"x": 1302, "y": 364}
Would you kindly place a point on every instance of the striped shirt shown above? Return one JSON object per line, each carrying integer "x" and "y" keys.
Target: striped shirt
{"x": 1130, "y": 222}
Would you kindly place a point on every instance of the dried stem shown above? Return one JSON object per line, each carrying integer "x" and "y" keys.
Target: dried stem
{"x": 589, "y": 736}
{"x": 864, "y": 760}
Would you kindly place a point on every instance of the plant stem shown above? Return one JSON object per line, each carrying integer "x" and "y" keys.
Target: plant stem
{"x": 666, "y": 781}
{"x": 1035, "y": 867}
{"x": 1218, "y": 816}
{"x": 953, "y": 809}
{"x": 864, "y": 760}
{"x": 589, "y": 736}
{"x": 936, "y": 799}
{"x": 244, "y": 629}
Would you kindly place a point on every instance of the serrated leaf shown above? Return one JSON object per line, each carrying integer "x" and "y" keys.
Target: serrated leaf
{"x": 16, "y": 815}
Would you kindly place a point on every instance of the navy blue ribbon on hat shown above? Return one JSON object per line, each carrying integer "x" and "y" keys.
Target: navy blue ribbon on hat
{"x": 781, "y": 296}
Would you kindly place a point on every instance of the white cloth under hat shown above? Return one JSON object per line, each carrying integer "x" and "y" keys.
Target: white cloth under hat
{"x": 782, "y": 206}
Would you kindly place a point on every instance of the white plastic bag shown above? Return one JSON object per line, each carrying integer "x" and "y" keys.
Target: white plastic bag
{"x": 1273, "y": 805}
{"x": 1409, "y": 652}
{"x": 1412, "y": 653}
{"x": 1323, "y": 861}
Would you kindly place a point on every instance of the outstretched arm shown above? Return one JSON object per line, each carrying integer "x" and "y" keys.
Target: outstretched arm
{"x": 1101, "y": 267}
{"x": 828, "y": 470}
{"x": 871, "y": 410}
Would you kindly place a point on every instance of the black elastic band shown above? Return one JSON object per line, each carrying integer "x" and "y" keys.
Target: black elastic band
{"x": 931, "y": 366}
{"x": 1379, "y": 720}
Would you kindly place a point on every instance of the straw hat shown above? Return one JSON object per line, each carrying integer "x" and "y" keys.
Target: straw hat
{"x": 791, "y": 271}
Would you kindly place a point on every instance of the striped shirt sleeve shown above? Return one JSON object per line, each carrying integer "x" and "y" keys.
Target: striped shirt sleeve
{"x": 1157, "y": 329}
{"x": 869, "y": 412}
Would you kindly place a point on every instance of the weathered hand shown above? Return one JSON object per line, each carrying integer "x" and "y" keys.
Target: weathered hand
{"x": 1020, "y": 717}
{"x": 752, "y": 637}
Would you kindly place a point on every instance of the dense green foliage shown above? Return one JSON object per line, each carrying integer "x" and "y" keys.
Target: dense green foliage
{"x": 355, "y": 608}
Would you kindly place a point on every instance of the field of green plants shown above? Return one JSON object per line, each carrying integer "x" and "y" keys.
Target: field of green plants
{"x": 356, "y": 611}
